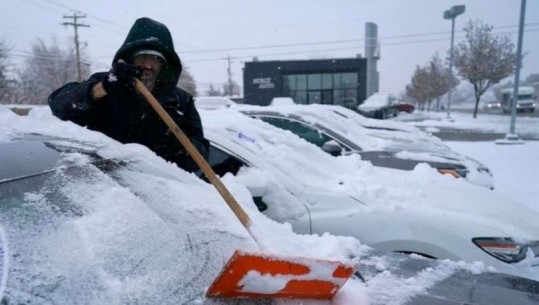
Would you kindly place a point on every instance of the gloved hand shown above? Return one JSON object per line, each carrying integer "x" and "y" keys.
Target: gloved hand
{"x": 119, "y": 79}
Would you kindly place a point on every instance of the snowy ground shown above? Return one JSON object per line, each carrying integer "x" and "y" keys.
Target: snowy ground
{"x": 515, "y": 167}
{"x": 515, "y": 171}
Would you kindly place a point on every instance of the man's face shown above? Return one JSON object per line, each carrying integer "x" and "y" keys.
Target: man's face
{"x": 151, "y": 66}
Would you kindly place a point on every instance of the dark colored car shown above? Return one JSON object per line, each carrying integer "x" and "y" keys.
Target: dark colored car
{"x": 379, "y": 106}
{"x": 79, "y": 228}
{"x": 406, "y": 107}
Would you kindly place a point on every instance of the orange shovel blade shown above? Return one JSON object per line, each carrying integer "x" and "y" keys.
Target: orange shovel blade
{"x": 249, "y": 275}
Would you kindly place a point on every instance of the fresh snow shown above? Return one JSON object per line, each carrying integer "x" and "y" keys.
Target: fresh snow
{"x": 515, "y": 170}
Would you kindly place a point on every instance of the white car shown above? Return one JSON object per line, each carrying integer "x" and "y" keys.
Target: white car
{"x": 337, "y": 132}
{"x": 394, "y": 129}
{"x": 414, "y": 212}
{"x": 213, "y": 102}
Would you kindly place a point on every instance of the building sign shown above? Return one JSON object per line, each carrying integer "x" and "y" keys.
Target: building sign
{"x": 264, "y": 83}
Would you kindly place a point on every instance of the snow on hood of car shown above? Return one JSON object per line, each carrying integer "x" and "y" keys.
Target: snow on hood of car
{"x": 422, "y": 190}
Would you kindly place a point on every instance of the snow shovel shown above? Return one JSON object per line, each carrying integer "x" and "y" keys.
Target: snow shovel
{"x": 255, "y": 275}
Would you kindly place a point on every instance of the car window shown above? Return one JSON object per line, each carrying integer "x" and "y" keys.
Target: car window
{"x": 307, "y": 133}
{"x": 222, "y": 162}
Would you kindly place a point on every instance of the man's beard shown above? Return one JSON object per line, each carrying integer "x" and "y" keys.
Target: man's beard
{"x": 149, "y": 82}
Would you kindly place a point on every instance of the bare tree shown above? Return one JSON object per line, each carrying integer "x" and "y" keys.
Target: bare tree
{"x": 4, "y": 84}
{"x": 483, "y": 58}
{"x": 214, "y": 91}
{"x": 531, "y": 79}
{"x": 231, "y": 89}
{"x": 46, "y": 69}
{"x": 8, "y": 85}
{"x": 418, "y": 89}
{"x": 439, "y": 80}
{"x": 187, "y": 82}
{"x": 430, "y": 83}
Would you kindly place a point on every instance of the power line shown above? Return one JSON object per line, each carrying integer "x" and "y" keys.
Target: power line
{"x": 90, "y": 16}
{"x": 332, "y": 49}
{"x": 330, "y": 41}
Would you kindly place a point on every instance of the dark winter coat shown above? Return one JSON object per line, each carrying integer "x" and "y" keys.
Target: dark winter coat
{"x": 128, "y": 118}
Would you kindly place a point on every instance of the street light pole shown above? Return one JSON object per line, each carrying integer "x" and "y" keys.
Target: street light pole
{"x": 512, "y": 137}
{"x": 517, "y": 69}
{"x": 450, "y": 68}
{"x": 452, "y": 13}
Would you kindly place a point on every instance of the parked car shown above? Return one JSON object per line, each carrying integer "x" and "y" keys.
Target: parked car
{"x": 338, "y": 134}
{"x": 386, "y": 209}
{"x": 213, "y": 102}
{"x": 87, "y": 220}
{"x": 397, "y": 130}
{"x": 379, "y": 106}
{"x": 406, "y": 107}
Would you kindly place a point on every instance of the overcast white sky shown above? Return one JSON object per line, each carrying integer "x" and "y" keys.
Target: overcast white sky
{"x": 206, "y": 32}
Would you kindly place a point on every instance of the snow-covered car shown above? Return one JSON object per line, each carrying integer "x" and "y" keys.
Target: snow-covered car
{"x": 381, "y": 128}
{"x": 379, "y": 106}
{"x": 413, "y": 212}
{"x": 213, "y": 102}
{"x": 337, "y": 133}
{"x": 87, "y": 220}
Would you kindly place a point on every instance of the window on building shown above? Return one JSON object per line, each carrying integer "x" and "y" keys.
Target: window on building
{"x": 322, "y": 88}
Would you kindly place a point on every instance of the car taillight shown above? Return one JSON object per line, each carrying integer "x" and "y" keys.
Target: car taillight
{"x": 502, "y": 248}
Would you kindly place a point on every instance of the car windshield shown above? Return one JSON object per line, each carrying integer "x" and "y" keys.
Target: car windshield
{"x": 86, "y": 227}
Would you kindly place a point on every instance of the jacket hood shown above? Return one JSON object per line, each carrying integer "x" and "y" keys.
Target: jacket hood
{"x": 150, "y": 34}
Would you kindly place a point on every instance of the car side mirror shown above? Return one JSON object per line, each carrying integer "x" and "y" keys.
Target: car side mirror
{"x": 332, "y": 147}
{"x": 255, "y": 184}
{"x": 256, "y": 187}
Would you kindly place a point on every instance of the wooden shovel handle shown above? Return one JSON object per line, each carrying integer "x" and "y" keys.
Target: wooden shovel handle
{"x": 197, "y": 157}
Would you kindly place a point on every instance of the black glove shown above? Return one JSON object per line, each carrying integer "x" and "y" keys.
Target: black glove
{"x": 119, "y": 80}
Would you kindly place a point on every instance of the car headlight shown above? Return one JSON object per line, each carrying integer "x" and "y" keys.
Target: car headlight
{"x": 503, "y": 248}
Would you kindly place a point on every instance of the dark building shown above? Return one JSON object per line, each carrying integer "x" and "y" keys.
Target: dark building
{"x": 325, "y": 81}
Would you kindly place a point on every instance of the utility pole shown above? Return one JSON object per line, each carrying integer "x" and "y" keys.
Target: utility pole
{"x": 76, "y": 25}
{"x": 230, "y": 85}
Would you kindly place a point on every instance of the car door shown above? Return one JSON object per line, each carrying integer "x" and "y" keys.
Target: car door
{"x": 222, "y": 161}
